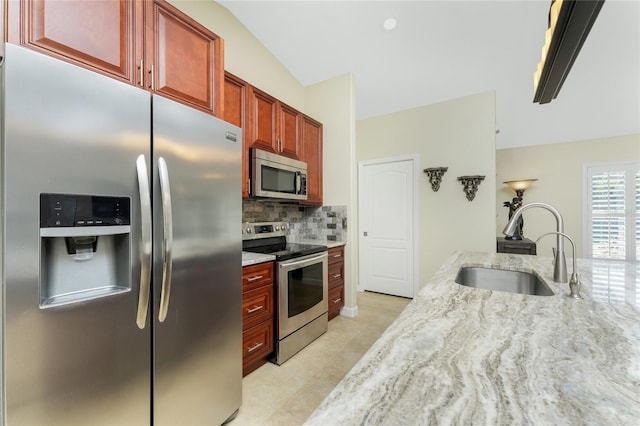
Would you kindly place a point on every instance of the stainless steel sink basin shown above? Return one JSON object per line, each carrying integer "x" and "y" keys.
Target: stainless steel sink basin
{"x": 502, "y": 280}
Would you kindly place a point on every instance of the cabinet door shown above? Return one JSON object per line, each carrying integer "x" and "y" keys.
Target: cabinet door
{"x": 236, "y": 94}
{"x": 102, "y": 35}
{"x": 288, "y": 131}
{"x": 312, "y": 155}
{"x": 263, "y": 112}
{"x": 184, "y": 59}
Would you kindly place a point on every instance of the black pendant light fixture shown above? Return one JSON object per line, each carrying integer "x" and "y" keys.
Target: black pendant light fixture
{"x": 569, "y": 24}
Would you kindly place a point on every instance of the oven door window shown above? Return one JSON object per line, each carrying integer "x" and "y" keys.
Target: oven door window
{"x": 305, "y": 288}
{"x": 278, "y": 180}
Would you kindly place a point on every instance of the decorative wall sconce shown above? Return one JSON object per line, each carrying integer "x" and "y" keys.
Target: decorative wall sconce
{"x": 470, "y": 185}
{"x": 435, "y": 176}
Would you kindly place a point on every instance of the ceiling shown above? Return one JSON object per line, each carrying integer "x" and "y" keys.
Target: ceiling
{"x": 442, "y": 50}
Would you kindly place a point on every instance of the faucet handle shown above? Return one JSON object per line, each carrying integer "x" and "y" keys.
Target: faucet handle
{"x": 574, "y": 286}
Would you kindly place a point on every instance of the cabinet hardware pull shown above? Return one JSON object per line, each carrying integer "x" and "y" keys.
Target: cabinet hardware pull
{"x": 255, "y": 308}
{"x": 337, "y": 255}
{"x": 254, "y": 347}
{"x": 338, "y": 300}
{"x": 337, "y": 276}
{"x": 141, "y": 73}
{"x": 152, "y": 82}
{"x": 256, "y": 278}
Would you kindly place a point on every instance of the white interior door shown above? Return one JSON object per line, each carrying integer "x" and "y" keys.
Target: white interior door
{"x": 387, "y": 220}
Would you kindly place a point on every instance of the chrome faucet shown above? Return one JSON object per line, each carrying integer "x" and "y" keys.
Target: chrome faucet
{"x": 560, "y": 263}
{"x": 574, "y": 282}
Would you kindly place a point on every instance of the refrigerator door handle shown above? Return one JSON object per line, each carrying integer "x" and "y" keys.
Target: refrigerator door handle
{"x": 167, "y": 261}
{"x": 145, "y": 244}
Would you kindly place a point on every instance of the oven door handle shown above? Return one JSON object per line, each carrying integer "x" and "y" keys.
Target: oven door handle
{"x": 306, "y": 260}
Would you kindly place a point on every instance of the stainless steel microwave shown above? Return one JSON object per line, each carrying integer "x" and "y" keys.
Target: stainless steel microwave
{"x": 277, "y": 177}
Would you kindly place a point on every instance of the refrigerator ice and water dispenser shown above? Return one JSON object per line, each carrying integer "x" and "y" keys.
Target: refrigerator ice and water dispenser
{"x": 84, "y": 247}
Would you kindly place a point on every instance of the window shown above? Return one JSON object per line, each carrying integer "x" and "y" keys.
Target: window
{"x": 612, "y": 225}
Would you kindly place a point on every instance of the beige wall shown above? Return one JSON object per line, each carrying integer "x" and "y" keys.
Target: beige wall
{"x": 244, "y": 55}
{"x": 332, "y": 102}
{"x": 458, "y": 134}
{"x": 559, "y": 170}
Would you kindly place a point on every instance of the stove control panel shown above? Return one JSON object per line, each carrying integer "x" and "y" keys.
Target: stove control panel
{"x": 255, "y": 230}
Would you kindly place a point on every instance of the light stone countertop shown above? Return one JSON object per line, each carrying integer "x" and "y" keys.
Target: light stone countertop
{"x": 249, "y": 258}
{"x": 460, "y": 355}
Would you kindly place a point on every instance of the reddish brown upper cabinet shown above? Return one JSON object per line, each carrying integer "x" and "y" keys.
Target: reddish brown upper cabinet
{"x": 148, "y": 43}
{"x": 105, "y": 36}
{"x": 263, "y": 114}
{"x": 273, "y": 125}
{"x": 311, "y": 142}
{"x": 236, "y": 104}
{"x": 288, "y": 131}
{"x": 184, "y": 60}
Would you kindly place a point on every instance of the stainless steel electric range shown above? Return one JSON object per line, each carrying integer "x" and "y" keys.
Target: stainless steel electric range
{"x": 301, "y": 285}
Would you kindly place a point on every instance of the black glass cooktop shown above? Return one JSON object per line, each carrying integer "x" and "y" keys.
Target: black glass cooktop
{"x": 281, "y": 249}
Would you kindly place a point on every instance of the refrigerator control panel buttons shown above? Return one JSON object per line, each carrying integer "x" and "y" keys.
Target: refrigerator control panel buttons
{"x": 69, "y": 210}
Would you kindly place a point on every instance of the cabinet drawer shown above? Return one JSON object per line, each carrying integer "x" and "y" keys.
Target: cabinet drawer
{"x": 336, "y": 255}
{"x": 257, "y": 306}
{"x": 255, "y": 276}
{"x": 336, "y": 275}
{"x": 257, "y": 342}
{"x": 336, "y": 301}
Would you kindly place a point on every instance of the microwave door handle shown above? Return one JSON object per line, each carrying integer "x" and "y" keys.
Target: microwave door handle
{"x": 167, "y": 254}
{"x": 145, "y": 243}
{"x": 298, "y": 183}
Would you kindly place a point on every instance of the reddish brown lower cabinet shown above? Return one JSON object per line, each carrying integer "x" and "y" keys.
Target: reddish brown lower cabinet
{"x": 257, "y": 315}
{"x": 336, "y": 281}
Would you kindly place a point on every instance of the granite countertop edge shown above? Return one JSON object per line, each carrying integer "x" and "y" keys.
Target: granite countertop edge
{"x": 459, "y": 355}
{"x": 250, "y": 258}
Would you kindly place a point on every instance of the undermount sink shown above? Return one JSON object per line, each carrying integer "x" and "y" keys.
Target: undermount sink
{"x": 502, "y": 280}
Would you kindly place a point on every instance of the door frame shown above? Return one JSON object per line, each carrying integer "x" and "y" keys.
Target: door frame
{"x": 414, "y": 158}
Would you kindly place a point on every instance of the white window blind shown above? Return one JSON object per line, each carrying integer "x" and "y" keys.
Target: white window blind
{"x": 613, "y": 211}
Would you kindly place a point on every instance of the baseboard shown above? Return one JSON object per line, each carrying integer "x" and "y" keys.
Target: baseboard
{"x": 348, "y": 311}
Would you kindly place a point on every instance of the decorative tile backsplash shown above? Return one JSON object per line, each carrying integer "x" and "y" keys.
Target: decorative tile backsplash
{"x": 313, "y": 223}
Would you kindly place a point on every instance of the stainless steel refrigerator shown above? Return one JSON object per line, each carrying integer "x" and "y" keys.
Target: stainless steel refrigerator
{"x": 121, "y": 256}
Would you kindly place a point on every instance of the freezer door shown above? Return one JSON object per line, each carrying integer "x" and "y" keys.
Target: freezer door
{"x": 197, "y": 266}
{"x": 74, "y": 354}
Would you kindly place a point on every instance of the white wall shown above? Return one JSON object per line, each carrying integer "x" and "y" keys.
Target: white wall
{"x": 458, "y": 134}
{"x": 559, "y": 170}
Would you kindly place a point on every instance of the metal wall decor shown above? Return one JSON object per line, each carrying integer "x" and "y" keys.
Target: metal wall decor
{"x": 470, "y": 185}
{"x": 435, "y": 176}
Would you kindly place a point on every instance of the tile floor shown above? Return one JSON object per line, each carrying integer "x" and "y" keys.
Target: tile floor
{"x": 288, "y": 394}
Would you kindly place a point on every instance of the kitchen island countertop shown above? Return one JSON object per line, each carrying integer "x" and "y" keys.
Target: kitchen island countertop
{"x": 459, "y": 355}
